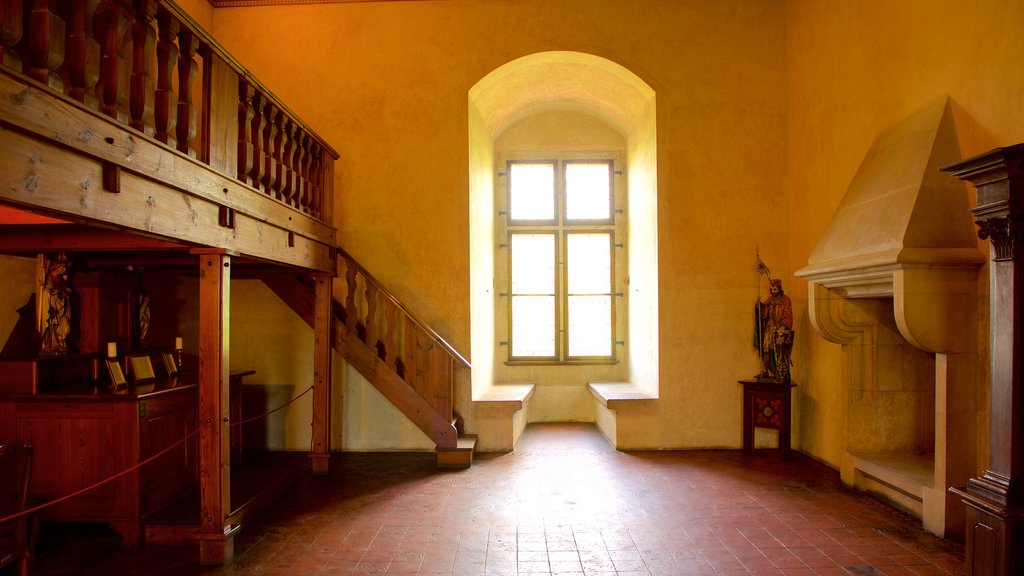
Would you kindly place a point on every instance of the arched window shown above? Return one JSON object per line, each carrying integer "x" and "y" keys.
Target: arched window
{"x": 563, "y": 223}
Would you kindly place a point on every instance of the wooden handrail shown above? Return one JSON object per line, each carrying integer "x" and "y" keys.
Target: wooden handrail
{"x": 147, "y": 65}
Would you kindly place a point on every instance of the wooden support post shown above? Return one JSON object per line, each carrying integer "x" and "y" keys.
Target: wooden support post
{"x": 322, "y": 340}
{"x": 215, "y": 535}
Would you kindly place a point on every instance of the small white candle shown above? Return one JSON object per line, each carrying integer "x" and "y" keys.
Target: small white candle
{"x": 177, "y": 343}
{"x": 111, "y": 349}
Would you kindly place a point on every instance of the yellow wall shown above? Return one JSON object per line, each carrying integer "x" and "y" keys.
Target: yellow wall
{"x": 764, "y": 112}
{"x": 386, "y": 84}
{"x": 856, "y": 68}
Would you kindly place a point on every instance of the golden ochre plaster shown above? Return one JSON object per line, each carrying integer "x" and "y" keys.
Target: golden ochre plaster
{"x": 764, "y": 111}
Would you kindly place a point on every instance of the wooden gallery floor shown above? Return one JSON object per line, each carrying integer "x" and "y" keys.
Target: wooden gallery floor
{"x": 563, "y": 503}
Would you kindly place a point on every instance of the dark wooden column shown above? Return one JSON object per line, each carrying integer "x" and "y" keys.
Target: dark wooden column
{"x": 995, "y": 500}
{"x": 322, "y": 320}
{"x": 215, "y": 535}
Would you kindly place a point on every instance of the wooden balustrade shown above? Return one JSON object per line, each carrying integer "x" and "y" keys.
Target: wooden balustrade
{"x": 147, "y": 65}
{"x": 401, "y": 340}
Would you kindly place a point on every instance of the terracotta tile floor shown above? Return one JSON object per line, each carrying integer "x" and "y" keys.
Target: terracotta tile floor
{"x": 566, "y": 503}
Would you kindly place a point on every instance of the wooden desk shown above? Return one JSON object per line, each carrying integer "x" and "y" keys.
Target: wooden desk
{"x": 766, "y": 404}
{"x": 80, "y": 437}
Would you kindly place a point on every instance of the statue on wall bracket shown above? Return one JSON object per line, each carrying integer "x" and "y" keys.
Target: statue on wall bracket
{"x": 773, "y": 328}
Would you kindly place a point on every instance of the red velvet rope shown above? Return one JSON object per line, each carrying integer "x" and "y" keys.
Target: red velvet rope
{"x": 140, "y": 464}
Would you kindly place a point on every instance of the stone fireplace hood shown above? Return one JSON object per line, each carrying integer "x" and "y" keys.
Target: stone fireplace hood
{"x": 903, "y": 230}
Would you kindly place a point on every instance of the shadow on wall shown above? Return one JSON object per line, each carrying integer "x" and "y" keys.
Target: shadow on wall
{"x": 267, "y": 432}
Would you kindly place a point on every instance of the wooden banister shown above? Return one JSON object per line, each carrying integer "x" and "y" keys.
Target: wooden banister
{"x": 349, "y": 262}
{"x": 407, "y": 361}
{"x": 147, "y": 65}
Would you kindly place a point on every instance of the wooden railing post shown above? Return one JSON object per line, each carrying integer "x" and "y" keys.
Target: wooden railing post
{"x": 188, "y": 47}
{"x": 216, "y": 537}
{"x": 140, "y": 97}
{"x": 371, "y": 316}
{"x": 165, "y": 100}
{"x": 267, "y": 146}
{"x": 46, "y": 44}
{"x": 110, "y": 26}
{"x": 351, "y": 314}
{"x": 246, "y": 93}
{"x": 287, "y": 150}
{"x": 322, "y": 342}
{"x": 83, "y": 55}
{"x": 255, "y": 136}
{"x": 298, "y": 161}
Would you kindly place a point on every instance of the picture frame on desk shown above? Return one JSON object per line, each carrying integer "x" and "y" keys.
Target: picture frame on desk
{"x": 170, "y": 365}
{"x": 142, "y": 368}
{"x": 117, "y": 379}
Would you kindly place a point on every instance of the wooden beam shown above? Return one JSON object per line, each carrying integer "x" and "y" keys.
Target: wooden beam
{"x": 51, "y": 237}
{"x": 36, "y": 174}
{"x": 215, "y": 535}
{"x": 322, "y": 322}
{"x": 55, "y": 154}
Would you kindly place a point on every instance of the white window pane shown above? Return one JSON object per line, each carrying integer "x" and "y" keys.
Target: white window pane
{"x": 589, "y": 260}
{"x": 533, "y": 263}
{"x": 588, "y": 191}
{"x": 532, "y": 191}
{"x": 533, "y": 326}
{"x": 590, "y": 325}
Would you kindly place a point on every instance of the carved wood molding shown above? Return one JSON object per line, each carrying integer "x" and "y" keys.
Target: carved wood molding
{"x": 1000, "y": 231}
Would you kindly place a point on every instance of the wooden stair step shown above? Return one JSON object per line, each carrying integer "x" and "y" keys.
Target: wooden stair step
{"x": 461, "y": 456}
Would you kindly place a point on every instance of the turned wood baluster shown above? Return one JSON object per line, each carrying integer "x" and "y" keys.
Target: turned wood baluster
{"x": 165, "y": 100}
{"x": 391, "y": 343}
{"x": 351, "y": 315}
{"x": 45, "y": 44}
{"x": 188, "y": 46}
{"x": 315, "y": 180}
{"x": 284, "y": 178}
{"x": 246, "y": 91}
{"x": 278, "y": 144}
{"x": 372, "y": 326}
{"x": 299, "y": 171}
{"x": 269, "y": 135}
{"x": 256, "y": 137}
{"x": 295, "y": 173}
{"x": 83, "y": 53}
{"x": 140, "y": 99}
{"x": 302, "y": 173}
{"x": 12, "y": 23}
{"x": 110, "y": 27}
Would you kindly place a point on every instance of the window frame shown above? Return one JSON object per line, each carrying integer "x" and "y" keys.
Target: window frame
{"x": 561, "y": 227}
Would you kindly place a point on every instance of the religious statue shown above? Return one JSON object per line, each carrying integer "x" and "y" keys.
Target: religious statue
{"x": 774, "y": 329}
{"x": 55, "y": 307}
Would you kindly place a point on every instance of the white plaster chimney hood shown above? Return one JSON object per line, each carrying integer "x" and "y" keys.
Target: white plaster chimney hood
{"x": 903, "y": 230}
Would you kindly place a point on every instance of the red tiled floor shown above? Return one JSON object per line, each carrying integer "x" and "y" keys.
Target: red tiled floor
{"x": 566, "y": 503}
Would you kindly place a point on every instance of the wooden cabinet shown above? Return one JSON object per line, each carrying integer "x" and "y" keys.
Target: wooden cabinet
{"x": 81, "y": 439}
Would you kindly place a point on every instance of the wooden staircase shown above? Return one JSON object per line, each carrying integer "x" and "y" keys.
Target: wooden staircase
{"x": 410, "y": 364}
